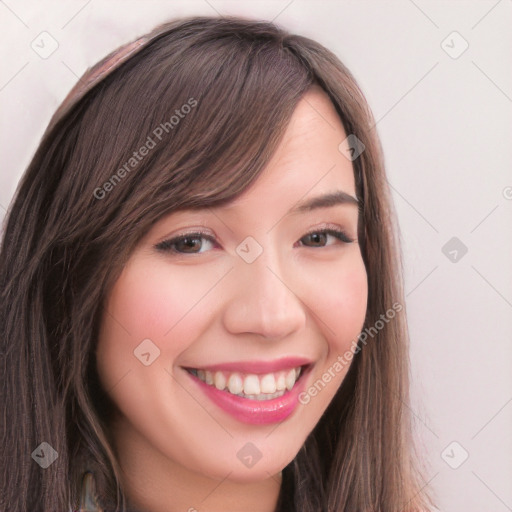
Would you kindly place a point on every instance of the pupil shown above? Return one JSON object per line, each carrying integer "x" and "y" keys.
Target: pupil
{"x": 317, "y": 237}
{"x": 189, "y": 242}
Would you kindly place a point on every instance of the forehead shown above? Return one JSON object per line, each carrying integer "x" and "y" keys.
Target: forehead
{"x": 306, "y": 163}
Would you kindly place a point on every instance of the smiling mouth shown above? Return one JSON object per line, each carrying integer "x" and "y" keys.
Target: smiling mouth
{"x": 251, "y": 385}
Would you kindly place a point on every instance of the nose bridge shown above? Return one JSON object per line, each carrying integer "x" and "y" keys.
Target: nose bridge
{"x": 263, "y": 301}
{"x": 267, "y": 281}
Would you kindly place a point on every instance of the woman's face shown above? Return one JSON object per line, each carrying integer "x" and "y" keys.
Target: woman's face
{"x": 263, "y": 291}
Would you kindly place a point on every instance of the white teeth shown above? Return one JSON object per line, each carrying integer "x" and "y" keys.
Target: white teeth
{"x": 235, "y": 384}
{"x": 251, "y": 385}
{"x": 264, "y": 396}
{"x": 290, "y": 379}
{"x": 281, "y": 382}
{"x": 268, "y": 383}
{"x": 220, "y": 380}
{"x": 208, "y": 377}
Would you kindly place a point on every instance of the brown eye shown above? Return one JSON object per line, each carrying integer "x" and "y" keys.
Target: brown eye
{"x": 188, "y": 244}
{"x": 319, "y": 238}
{"x": 191, "y": 243}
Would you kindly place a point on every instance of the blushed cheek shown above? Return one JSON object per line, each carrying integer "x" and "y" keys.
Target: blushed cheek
{"x": 147, "y": 302}
{"x": 150, "y": 299}
{"x": 345, "y": 305}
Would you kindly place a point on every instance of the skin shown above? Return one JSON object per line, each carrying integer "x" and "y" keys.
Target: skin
{"x": 300, "y": 297}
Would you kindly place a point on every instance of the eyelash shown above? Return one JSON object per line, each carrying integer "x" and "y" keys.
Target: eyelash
{"x": 168, "y": 245}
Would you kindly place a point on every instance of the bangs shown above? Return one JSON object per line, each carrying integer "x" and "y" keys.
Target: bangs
{"x": 207, "y": 109}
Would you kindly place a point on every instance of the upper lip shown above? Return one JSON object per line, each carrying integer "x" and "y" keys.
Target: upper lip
{"x": 284, "y": 363}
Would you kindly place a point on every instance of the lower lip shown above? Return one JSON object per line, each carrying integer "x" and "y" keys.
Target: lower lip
{"x": 256, "y": 412}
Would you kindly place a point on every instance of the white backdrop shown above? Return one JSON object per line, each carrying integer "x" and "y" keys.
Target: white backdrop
{"x": 438, "y": 78}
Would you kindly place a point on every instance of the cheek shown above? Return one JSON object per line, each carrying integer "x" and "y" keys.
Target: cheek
{"x": 151, "y": 302}
{"x": 339, "y": 300}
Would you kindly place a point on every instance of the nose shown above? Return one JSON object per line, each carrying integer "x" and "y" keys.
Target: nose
{"x": 261, "y": 301}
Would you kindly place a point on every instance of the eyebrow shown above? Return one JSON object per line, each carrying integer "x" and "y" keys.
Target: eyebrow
{"x": 324, "y": 201}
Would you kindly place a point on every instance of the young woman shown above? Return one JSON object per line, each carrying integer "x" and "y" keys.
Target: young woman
{"x": 202, "y": 306}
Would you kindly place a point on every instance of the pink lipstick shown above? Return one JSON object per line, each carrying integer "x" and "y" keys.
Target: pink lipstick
{"x": 254, "y": 392}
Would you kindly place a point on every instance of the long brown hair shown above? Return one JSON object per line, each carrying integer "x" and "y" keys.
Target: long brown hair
{"x": 77, "y": 215}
